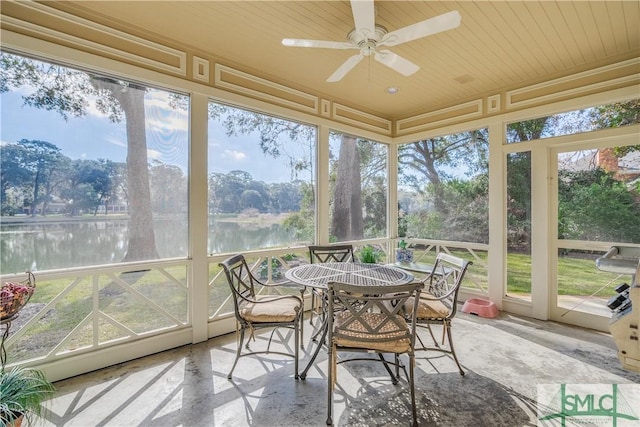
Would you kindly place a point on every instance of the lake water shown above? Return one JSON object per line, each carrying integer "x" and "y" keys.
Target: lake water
{"x": 59, "y": 244}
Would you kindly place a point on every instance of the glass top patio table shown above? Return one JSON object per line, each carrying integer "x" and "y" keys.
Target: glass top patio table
{"x": 320, "y": 275}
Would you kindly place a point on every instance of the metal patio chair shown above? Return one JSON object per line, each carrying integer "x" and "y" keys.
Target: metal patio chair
{"x": 322, "y": 254}
{"x": 254, "y": 311}
{"x": 360, "y": 319}
{"x": 439, "y": 301}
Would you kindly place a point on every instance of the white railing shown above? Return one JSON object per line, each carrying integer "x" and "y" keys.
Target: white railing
{"x": 78, "y": 311}
{"x": 270, "y": 265}
{"x": 82, "y": 309}
{"x": 476, "y": 278}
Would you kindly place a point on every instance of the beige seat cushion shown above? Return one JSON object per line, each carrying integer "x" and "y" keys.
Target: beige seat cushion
{"x": 277, "y": 310}
{"x": 427, "y": 309}
{"x": 382, "y": 341}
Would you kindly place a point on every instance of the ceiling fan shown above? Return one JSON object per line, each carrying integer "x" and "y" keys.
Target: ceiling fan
{"x": 368, "y": 37}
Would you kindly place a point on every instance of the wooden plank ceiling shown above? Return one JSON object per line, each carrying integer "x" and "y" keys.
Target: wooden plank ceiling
{"x": 499, "y": 44}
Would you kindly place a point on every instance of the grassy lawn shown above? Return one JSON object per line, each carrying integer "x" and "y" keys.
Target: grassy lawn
{"x": 115, "y": 301}
{"x": 581, "y": 277}
{"x": 576, "y": 276}
{"x": 518, "y": 274}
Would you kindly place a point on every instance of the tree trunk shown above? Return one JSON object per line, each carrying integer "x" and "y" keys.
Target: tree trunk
{"x": 347, "y": 221}
{"x": 36, "y": 191}
{"x": 426, "y": 157}
{"x": 142, "y": 241}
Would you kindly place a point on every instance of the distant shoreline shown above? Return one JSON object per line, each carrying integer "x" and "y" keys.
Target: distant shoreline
{"x": 51, "y": 219}
{"x": 27, "y": 219}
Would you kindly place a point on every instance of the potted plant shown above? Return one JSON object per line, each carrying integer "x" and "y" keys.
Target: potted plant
{"x": 368, "y": 255}
{"x": 403, "y": 254}
{"x": 22, "y": 392}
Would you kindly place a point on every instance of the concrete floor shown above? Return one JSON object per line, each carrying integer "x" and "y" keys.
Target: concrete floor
{"x": 505, "y": 359}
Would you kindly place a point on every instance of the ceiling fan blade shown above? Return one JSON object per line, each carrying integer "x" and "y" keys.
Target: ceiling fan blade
{"x": 364, "y": 18}
{"x": 396, "y": 62}
{"x": 318, "y": 43}
{"x": 444, "y": 22}
{"x": 345, "y": 68}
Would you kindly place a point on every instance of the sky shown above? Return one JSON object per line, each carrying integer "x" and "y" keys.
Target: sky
{"x": 94, "y": 136}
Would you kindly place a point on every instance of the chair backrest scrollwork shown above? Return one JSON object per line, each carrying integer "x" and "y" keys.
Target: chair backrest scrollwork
{"x": 330, "y": 253}
{"x": 445, "y": 280}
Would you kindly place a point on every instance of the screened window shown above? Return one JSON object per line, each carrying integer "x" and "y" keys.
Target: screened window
{"x": 519, "y": 224}
{"x": 443, "y": 188}
{"x": 572, "y": 122}
{"x": 597, "y": 202}
{"x": 358, "y": 188}
{"x": 94, "y": 168}
{"x": 261, "y": 181}
{"x": 598, "y": 195}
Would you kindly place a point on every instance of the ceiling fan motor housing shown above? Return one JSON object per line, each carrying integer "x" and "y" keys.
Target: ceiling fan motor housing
{"x": 367, "y": 42}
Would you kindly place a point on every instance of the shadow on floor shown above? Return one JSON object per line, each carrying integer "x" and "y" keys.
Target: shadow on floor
{"x": 442, "y": 400}
{"x": 504, "y": 359}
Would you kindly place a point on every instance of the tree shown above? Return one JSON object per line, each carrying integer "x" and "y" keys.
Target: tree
{"x": 13, "y": 177}
{"x": 303, "y": 221}
{"x": 41, "y": 159}
{"x": 519, "y": 201}
{"x": 347, "y": 215}
{"x": 79, "y": 194}
{"x": 519, "y": 181}
{"x": 226, "y": 189}
{"x": 346, "y": 221}
{"x": 286, "y": 196}
{"x": 593, "y": 205}
{"x": 251, "y": 199}
{"x": 432, "y": 167}
{"x": 130, "y": 100}
{"x": 616, "y": 115}
{"x": 374, "y": 199}
{"x": 95, "y": 184}
{"x": 67, "y": 92}
{"x": 528, "y": 130}
{"x": 271, "y": 129}
{"x": 433, "y": 157}
{"x": 167, "y": 188}
{"x": 373, "y": 187}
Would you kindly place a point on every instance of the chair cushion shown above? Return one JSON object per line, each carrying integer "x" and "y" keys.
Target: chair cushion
{"x": 277, "y": 309}
{"x": 427, "y": 308}
{"x": 382, "y": 341}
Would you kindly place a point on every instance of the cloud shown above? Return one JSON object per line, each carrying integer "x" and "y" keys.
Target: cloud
{"x": 215, "y": 140}
{"x": 93, "y": 111}
{"x": 161, "y": 116}
{"x": 117, "y": 142}
{"x": 234, "y": 155}
{"x": 154, "y": 154}
{"x": 168, "y": 122}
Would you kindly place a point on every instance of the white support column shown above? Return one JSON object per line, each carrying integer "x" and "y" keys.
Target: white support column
{"x": 322, "y": 186}
{"x": 497, "y": 262}
{"x": 392, "y": 194}
{"x": 541, "y": 236}
{"x": 198, "y": 277}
